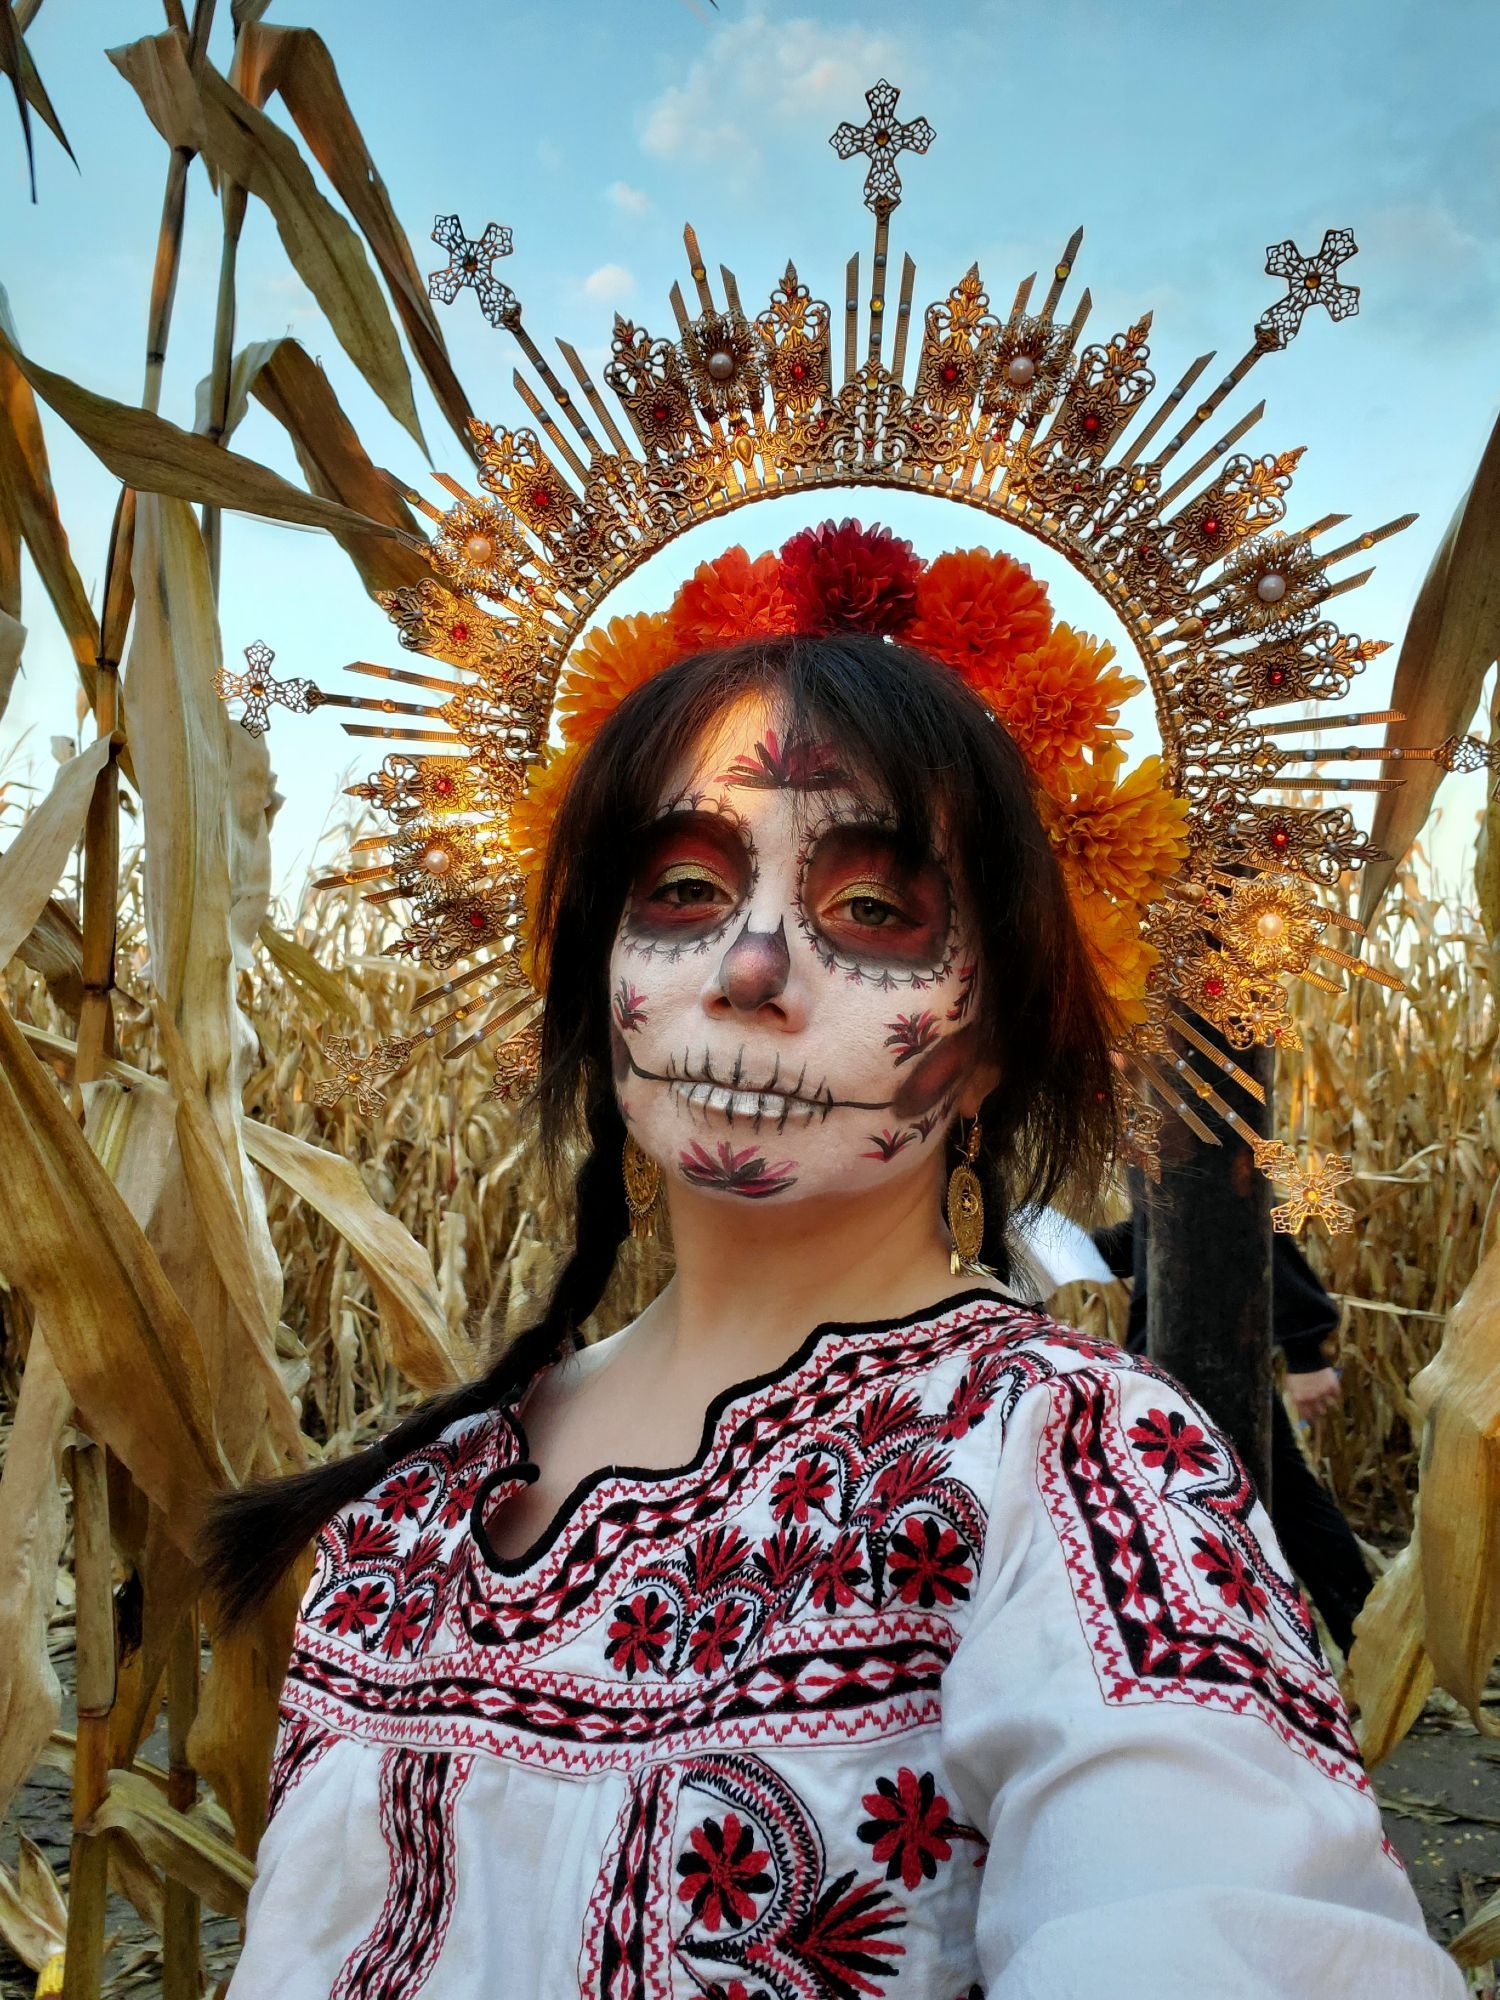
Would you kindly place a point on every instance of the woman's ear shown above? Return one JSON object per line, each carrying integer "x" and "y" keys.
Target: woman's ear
{"x": 984, "y": 1078}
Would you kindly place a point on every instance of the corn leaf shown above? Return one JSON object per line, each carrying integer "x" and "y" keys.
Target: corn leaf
{"x": 181, "y": 1846}
{"x": 121, "y": 1340}
{"x": 200, "y": 110}
{"x": 399, "y": 1270}
{"x": 26, "y": 477}
{"x": 155, "y": 456}
{"x": 1390, "y": 1674}
{"x": 335, "y": 464}
{"x": 32, "y": 1529}
{"x": 1459, "y": 1494}
{"x": 1452, "y": 639}
{"x": 295, "y": 64}
{"x": 54, "y": 948}
{"x": 296, "y": 964}
{"x": 1479, "y": 1940}
{"x": 30, "y": 91}
{"x": 33, "y": 1913}
{"x": 31, "y": 865}
{"x": 12, "y": 641}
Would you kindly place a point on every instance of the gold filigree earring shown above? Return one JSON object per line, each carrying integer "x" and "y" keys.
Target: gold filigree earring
{"x": 642, "y": 1189}
{"x": 966, "y": 1207}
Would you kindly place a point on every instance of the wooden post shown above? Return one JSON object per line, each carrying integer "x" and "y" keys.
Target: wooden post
{"x": 1208, "y": 1269}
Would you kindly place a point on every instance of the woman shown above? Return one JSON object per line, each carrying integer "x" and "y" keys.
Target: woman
{"x": 843, "y": 1626}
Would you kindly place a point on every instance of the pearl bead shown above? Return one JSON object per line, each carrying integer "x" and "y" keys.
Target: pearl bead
{"x": 478, "y": 548}
{"x": 1020, "y": 370}
{"x": 437, "y": 860}
{"x": 1270, "y": 923}
{"x": 721, "y": 364}
{"x": 1271, "y": 588}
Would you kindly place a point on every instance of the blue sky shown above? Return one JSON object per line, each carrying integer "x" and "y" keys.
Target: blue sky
{"x": 1185, "y": 137}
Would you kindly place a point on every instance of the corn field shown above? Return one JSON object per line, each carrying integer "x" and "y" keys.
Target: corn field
{"x": 206, "y": 1277}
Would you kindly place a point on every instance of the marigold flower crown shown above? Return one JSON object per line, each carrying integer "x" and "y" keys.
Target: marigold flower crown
{"x": 1196, "y": 876}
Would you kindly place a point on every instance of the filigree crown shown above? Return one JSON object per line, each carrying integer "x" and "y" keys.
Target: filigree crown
{"x": 1014, "y": 414}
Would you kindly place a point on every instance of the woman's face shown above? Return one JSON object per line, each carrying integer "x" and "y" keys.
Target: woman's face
{"x": 794, "y": 1010}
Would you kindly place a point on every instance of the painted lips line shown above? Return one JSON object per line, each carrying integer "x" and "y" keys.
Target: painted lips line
{"x": 707, "y": 1093}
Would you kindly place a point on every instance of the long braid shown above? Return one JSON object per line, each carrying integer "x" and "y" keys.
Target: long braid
{"x": 252, "y": 1536}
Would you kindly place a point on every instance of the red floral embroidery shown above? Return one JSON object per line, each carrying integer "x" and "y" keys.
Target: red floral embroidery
{"x": 369, "y": 1540}
{"x": 807, "y": 1484}
{"x": 843, "y": 1936}
{"x": 838, "y": 1574}
{"x": 716, "y": 1638}
{"x": 407, "y": 1494}
{"x": 971, "y": 1401}
{"x": 355, "y": 1608}
{"x": 639, "y": 1635}
{"x": 1229, "y": 1573}
{"x": 785, "y": 1555}
{"x": 460, "y": 1501}
{"x": 901, "y": 1482}
{"x": 718, "y": 1554}
{"x": 929, "y": 1565}
{"x": 404, "y": 1627}
{"x": 723, "y": 1874}
{"x": 1166, "y": 1438}
{"x": 908, "y": 1826}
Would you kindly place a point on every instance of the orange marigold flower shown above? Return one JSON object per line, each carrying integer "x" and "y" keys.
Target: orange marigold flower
{"x": 609, "y": 663}
{"x": 1061, "y": 700}
{"x": 976, "y": 610}
{"x": 729, "y": 599}
{"x": 1120, "y": 839}
{"x": 528, "y": 829}
{"x": 1120, "y": 955}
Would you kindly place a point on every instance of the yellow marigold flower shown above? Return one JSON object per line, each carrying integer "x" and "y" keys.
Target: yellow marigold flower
{"x": 609, "y": 663}
{"x": 1060, "y": 701}
{"x": 1117, "y": 839}
{"x": 1120, "y": 955}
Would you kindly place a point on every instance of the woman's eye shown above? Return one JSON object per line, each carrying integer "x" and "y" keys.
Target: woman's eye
{"x": 870, "y": 912}
{"x": 690, "y": 892}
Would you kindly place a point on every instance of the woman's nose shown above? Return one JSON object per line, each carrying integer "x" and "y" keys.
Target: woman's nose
{"x": 754, "y": 975}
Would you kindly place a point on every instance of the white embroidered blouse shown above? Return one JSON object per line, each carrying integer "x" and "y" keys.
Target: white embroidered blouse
{"x": 960, "y": 1664}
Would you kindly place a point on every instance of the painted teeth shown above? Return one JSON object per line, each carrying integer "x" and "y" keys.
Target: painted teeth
{"x": 758, "y": 1105}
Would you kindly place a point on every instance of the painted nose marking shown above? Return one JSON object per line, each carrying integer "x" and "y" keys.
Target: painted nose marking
{"x": 755, "y": 968}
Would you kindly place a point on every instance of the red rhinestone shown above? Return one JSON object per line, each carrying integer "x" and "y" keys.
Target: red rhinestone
{"x": 1213, "y": 986}
{"x": 1091, "y": 422}
{"x": 799, "y": 371}
{"x": 949, "y": 371}
{"x": 1276, "y": 677}
{"x": 659, "y": 414}
{"x": 1211, "y": 525}
{"x": 459, "y": 634}
{"x": 541, "y": 497}
{"x": 442, "y": 784}
{"x": 1280, "y": 837}
{"x": 477, "y": 920}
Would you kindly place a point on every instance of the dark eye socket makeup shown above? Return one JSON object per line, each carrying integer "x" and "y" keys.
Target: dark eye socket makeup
{"x": 695, "y": 867}
{"x": 867, "y": 902}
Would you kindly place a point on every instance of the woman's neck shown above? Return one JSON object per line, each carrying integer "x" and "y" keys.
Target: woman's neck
{"x": 753, "y": 1279}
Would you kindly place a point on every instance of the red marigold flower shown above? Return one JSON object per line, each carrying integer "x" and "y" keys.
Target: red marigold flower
{"x": 977, "y": 610}
{"x": 729, "y": 599}
{"x": 847, "y": 578}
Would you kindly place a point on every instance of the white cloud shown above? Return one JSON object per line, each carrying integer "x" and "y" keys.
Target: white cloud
{"x": 634, "y": 201}
{"x": 758, "y": 75}
{"x": 611, "y": 282}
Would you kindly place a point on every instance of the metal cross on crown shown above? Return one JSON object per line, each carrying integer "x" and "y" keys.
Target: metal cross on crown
{"x": 880, "y": 139}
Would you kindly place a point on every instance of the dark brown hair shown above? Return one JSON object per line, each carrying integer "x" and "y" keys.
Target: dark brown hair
{"x": 944, "y": 767}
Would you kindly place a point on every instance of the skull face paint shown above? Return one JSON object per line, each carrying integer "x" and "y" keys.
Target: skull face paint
{"x": 792, "y": 1000}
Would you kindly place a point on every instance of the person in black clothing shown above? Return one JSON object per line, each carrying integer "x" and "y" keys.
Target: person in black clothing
{"x": 1318, "y": 1541}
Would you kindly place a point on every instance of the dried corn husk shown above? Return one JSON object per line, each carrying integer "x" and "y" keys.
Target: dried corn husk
{"x": 1452, "y": 639}
{"x": 196, "y": 108}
